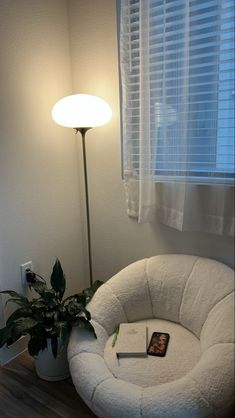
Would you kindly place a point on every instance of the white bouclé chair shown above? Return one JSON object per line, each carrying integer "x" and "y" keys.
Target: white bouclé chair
{"x": 191, "y": 298}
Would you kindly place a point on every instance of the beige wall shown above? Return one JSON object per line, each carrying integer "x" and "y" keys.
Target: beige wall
{"x": 39, "y": 200}
{"x": 116, "y": 239}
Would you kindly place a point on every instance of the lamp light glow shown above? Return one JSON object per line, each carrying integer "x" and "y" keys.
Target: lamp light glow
{"x": 81, "y": 111}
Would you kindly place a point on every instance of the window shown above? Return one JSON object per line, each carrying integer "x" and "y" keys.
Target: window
{"x": 177, "y": 77}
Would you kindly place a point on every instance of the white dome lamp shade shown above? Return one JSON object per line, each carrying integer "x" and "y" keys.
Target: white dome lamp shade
{"x": 82, "y": 112}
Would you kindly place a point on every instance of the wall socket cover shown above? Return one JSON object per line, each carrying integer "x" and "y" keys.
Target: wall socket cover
{"x": 23, "y": 268}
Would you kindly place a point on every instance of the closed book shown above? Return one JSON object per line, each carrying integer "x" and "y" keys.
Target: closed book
{"x": 132, "y": 340}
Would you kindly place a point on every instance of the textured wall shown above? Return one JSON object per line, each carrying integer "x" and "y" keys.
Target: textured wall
{"x": 39, "y": 195}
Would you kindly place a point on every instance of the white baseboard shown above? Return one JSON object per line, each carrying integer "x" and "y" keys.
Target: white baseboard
{"x": 8, "y": 354}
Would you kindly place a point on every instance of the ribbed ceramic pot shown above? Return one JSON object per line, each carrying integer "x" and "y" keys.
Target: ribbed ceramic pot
{"x": 50, "y": 368}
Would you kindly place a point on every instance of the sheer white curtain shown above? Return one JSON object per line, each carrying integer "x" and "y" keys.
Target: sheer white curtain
{"x": 177, "y": 74}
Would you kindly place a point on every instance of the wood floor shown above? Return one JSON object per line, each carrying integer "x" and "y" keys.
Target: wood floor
{"x": 24, "y": 395}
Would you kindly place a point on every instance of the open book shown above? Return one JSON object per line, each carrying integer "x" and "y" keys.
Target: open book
{"x": 132, "y": 340}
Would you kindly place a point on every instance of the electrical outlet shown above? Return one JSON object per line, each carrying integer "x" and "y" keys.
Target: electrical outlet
{"x": 23, "y": 268}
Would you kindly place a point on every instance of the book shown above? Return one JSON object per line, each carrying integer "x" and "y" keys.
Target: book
{"x": 132, "y": 340}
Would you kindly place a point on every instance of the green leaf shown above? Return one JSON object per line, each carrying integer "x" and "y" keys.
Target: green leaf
{"x": 81, "y": 309}
{"x": 8, "y": 335}
{"x": 21, "y": 302}
{"x": 19, "y": 313}
{"x": 39, "y": 287}
{"x": 79, "y": 297}
{"x": 38, "y": 314}
{"x": 58, "y": 279}
{"x": 87, "y": 313}
{"x": 13, "y": 294}
{"x": 63, "y": 329}
{"x": 54, "y": 345}
{"x": 23, "y": 325}
{"x": 35, "y": 345}
{"x": 73, "y": 307}
{"x": 5, "y": 334}
{"x": 15, "y": 298}
{"x": 49, "y": 319}
{"x": 90, "y": 291}
{"x": 16, "y": 328}
{"x": 115, "y": 335}
{"x": 83, "y": 323}
{"x": 49, "y": 296}
{"x": 38, "y": 303}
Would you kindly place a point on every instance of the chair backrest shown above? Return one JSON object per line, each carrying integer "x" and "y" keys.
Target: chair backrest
{"x": 179, "y": 288}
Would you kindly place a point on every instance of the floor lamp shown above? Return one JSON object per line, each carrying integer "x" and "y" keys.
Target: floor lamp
{"x": 83, "y": 112}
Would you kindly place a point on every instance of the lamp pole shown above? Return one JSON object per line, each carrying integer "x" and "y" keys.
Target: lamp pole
{"x": 83, "y": 112}
{"x": 83, "y": 135}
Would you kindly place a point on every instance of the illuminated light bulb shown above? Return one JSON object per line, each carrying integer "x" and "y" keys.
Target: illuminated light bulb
{"x": 81, "y": 111}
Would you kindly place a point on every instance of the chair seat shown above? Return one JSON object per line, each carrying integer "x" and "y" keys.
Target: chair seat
{"x": 183, "y": 353}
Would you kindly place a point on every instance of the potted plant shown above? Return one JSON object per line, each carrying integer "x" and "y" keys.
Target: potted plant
{"x": 48, "y": 320}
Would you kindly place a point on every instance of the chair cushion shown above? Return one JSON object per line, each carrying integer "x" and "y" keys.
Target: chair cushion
{"x": 183, "y": 353}
{"x": 131, "y": 288}
{"x": 167, "y": 277}
{"x": 208, "y": 283}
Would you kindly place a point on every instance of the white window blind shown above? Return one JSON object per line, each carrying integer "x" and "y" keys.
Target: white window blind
{"x": 177, "y": 83}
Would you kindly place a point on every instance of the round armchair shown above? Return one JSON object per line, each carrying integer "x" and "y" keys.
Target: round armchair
{"x": 191, "y": 298}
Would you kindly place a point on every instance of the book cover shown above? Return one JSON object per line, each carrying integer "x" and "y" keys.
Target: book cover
{"x": 132, "y": 340}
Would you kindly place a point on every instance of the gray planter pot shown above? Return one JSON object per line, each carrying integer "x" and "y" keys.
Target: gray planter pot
{"x": 49, "y": 368}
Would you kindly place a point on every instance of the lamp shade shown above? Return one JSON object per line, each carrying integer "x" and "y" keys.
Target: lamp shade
{"x": 81, "y": 111}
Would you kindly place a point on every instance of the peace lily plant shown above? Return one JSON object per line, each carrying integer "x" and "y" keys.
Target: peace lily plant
{"x": 48, "y": 317}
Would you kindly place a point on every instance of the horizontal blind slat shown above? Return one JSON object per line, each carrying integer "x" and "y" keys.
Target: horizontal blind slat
{"x": 207, "y": 102}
